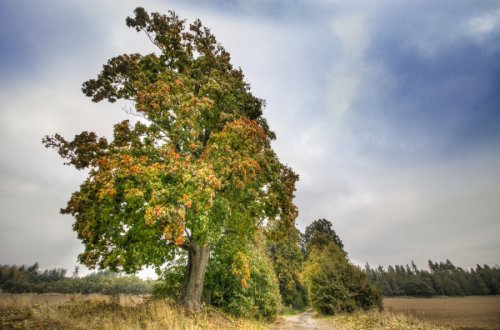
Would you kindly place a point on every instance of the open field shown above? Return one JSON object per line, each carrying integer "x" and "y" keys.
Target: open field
{"x": 375, "y": 320}
{"x": 459, "y": 313}
{"x": 27, "y": 299}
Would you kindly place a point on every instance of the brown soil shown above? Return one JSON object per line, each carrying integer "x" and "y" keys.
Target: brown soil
{"x": 458, "y": 312}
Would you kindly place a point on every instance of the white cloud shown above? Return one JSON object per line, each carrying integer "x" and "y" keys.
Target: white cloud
{"x": 351, "y": 38}
{"x": 484, "y": 24}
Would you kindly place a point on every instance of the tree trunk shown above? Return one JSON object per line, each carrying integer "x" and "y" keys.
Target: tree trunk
{"x": 192, "y": 289}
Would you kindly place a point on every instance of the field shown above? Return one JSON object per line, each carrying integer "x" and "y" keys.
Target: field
{"x": 96, "y": 312}
{"x": 458, "y": 313}
{"x": 24, "y": 300}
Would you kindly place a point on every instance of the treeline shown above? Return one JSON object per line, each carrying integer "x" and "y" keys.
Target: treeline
{"x": 29, "y": 279}
{"x": 442, "y": 279}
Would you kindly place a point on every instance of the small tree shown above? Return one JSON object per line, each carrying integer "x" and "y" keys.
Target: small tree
{"x": 283, "y": 245}
{"x": 320, "y": 232}
{"x": 197, "y": 165}
{"x": 333, "y": 283}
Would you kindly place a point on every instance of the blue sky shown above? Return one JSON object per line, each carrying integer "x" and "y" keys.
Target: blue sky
{"x": 388, "y": 111}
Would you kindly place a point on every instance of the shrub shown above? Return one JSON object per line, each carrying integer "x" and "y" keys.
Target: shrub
{"x": 240, "y": 279}
{"x": 334, "y": 285}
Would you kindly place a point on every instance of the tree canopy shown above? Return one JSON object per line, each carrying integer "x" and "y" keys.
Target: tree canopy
{"x": 196, "y": 165}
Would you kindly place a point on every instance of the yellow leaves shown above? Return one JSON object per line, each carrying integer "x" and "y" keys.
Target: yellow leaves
{"x": 106, "y": 192}
{"x": 214, "y": 182}
{"x": 167, "y": 232}
{"x": 134, "y": 192}
{"x": 241, "y": 268}
{"x": 209, "y": 103}
{"x": 181, "y": 214}
{"x": 148, "y": 217}
{"x": 175, "y": 230}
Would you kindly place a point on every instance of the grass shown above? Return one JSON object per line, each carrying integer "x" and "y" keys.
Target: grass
{"x": 378, "y": 320}
{"x": 88, "y": 314}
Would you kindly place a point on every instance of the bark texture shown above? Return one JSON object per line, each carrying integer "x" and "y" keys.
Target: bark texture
{"x": 192, "y": 289}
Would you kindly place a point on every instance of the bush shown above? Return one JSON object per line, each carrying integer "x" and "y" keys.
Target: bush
{"x": 240, "y": 279}
{"x": 334, "y": 285}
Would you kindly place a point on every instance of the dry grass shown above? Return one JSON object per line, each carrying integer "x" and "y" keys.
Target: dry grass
{"x": 87, "y": 314}
{"x": 457, "y": 313}
{"x": 378, "y": 320}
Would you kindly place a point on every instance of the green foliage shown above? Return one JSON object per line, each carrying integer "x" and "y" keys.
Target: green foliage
{"x": 333, "y": 284}
{"x": 170, "y": 281}
{"x": 283, "y": 245}
{"x": 241, "y": 280}
{"x": 320, "y": 232}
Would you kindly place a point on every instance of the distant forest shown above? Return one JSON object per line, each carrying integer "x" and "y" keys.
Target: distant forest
{"x": 442, "y": 279}
{"x": 29, "y": 279}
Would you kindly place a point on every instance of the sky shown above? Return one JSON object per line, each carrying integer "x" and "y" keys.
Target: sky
{"x": 389, "y": 111}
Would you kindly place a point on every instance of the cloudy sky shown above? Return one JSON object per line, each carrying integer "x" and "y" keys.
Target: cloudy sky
{"x": 389, "y": 111}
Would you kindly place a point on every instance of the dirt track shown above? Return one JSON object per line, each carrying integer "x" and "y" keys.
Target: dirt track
{"x": 301, "y": 322}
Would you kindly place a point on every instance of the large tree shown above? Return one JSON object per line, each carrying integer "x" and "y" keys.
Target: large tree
{"x": 198, "y": 163}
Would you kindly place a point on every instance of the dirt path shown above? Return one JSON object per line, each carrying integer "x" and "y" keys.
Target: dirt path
{"x": 301, "y": 322}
